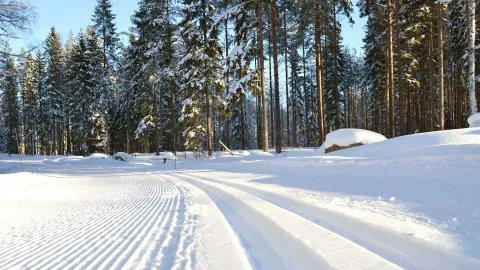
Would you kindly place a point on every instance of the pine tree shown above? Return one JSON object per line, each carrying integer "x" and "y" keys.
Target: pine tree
{"x": 53, "y": 94}
{"x": 106, "y": 31}
{"x": 10, "y": 106}
{"x": 203, "y": 71}
{"x": 43, "y": 116}
{"x": 86, "y": 100}
{"x": 29, "y": 104}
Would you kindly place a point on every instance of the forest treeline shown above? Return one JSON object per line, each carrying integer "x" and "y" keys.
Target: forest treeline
{"x": 251, "y": 74}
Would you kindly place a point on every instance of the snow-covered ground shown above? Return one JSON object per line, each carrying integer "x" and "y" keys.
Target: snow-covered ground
{"x": 411, "y": 202}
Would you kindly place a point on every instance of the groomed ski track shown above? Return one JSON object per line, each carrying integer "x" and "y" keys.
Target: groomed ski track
{"x": 181, "y": 220}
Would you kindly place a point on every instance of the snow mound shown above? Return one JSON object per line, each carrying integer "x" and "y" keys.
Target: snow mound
{"x": 415, "y": 142}
{"x": 169, "y": 155}
{"x": 347, "y": 137}
{"x": 242, "y": 153}
{"x": 98, "y": 155}
{"x": 122, "y": 156}
{"x": 474, "y": 120}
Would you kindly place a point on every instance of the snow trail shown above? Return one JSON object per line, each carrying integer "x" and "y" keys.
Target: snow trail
{"x": 314, "y": 247}
{"x": 402, "y": 250}
{"x": 123, "y": 230}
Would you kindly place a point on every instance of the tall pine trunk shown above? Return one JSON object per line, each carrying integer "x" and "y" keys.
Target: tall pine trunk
{"x": 262, "y": 76}
{"x": 171, "y": 83}
{"x": 307, "y": 122}
{"x": 286, "y": 74}
{"x": 441, "y": 88}
{"x": 471, "y": 55}
{"x": 335, "y": 68}
{"x": 227, "y": 77}
{"x": 318, "y": 58}
{"x": 156, "y": 141}
{"x": 278, "y": 130}
{"x": 294, "y": 110}
{"x": 207, "y": 84}
{"x": 391, "y": 92}
{"x": 243, "y": 126}
{"x": 272, "y": 101}
{"x": 401, "y": 91}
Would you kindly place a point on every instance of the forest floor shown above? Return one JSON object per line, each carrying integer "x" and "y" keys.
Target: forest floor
{"x": 411, "y": 202}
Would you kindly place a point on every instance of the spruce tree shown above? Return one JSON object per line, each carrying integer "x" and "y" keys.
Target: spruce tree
{"x": 39, "y": 74}
{"x": 203, "y": 71}
{"x": 106, "y": 30}
{"x": 86, "y": 99}
{"x": 29, "y": 104}
{"x": 10, "y": 105}
{"x": 53, "y": 94}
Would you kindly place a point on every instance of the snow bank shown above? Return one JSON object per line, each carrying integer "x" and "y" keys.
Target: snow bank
{"x": 414, "y": 142}
{"x": 474, "y": 121}
{"x": 98, "y": 155}
{"x": 346, "y": 137}
{"x": 122, "y": 156}
{"x": 169, "y": 156}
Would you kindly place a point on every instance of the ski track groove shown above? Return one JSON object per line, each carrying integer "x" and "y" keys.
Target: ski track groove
{"x": 171, "y": 242}
{"x": 183, "y": 257}
{"x": 137, "y": 221}
{"x": 401, "y": 256}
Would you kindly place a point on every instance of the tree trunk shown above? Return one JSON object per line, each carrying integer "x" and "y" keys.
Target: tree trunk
{"x": 171, "y": 84}
{"x": 336, "y": 89}
{"x": 318, "y": 58}
{"x": 146, "y": 141}
{"x": 278, "y": 130}
{"x": 391, "y": 107}
{"x": 294, "y": 110}
{"x": 244, "y": 133}
{"x": 431, "y": 67}
{"x": 286, "y": 75}
{"x": 227, "y": 75}
{"x": 129, "y": 148}
{"x": 272, "y": 101}
{"x": 471, "y": 56}
{"x": 262, "y": 76}
{"x": 207, "y": 89}
{"x": 305, "y": 93}
{"x": 69, "y": 142}
{"x": 400, "y": 69}
{"x": 59, "y": 138}
{"x": 156, "y": 141}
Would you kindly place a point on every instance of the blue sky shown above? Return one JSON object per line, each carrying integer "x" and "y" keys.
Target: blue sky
{"x": 73, "y": 15}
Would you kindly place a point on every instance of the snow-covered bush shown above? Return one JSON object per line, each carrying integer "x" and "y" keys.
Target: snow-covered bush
{"x": 474, "y": 120}
{"x": 347, "y": 138}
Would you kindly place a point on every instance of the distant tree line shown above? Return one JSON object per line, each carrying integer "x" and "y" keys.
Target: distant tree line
{"x": 252, "y": 74}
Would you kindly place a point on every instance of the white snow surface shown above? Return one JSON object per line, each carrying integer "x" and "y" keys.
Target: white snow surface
{"x": 410, "y": 202}
{"x": 346, "y": 137}
{"x": 474, "y": 120}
